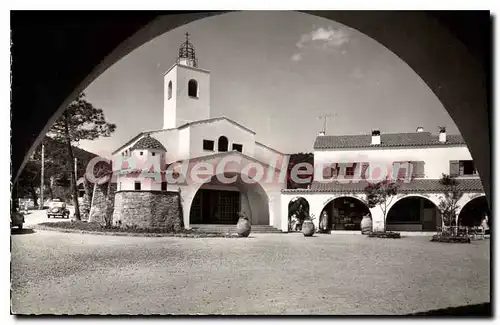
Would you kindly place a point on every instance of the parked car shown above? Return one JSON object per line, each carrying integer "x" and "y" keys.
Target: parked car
{"x": 57, "y": 208}
{"x": 16, "y": 219}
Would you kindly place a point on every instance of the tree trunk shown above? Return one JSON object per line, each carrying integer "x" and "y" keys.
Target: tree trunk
{"x": 108, "y": 217}
{"x": 86, "y": 198}
{"x": 51, "y": 187}
{"x": 34, "y": 197}
{"x": 74, "y": 188}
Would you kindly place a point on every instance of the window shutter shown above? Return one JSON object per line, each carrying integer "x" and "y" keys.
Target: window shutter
{"x": 454, "y": 168}
{"x": 364, "y": 170}
{"x": 401, "y": 168}
{"x": 327, "y": 172}
{"x": 418, "y": 169}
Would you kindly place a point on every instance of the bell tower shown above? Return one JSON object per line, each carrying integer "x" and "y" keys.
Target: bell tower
{"x": 186, "y": 89}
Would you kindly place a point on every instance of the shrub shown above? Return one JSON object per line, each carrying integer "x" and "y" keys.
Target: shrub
{"x": 386, "y": 234}
{"x": 451, "y": 239}
{"x": 97, "y": 227}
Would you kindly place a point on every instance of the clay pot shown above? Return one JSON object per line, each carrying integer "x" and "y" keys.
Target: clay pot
{"x": 366, "y": 225}
{"x": 308, "y": 228}
{"x": 243, "y": 227}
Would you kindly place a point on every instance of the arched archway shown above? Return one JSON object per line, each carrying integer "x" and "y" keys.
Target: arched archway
{"x": 219, "y": 203}
{"x": 298, "y": 210}
{"x": 343, "y": 213}
{"x": 473, "y": 212}
{"x": 222, "y": 144}
{"x": 413, "y": 213}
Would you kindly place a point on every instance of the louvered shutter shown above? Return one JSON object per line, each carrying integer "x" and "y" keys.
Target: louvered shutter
{"x": 399, "y": 169}
{"x": 327, "y": 172}
{"x": 454, "y": 168}
{"x": 364, "y": 170}
{"x": 418, "y": 169}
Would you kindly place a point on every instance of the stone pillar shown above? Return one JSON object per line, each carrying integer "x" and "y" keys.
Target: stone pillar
{"x": 284, "y": 212}
{"x": 187, "y": 195}
{"x": 377, "y": 219}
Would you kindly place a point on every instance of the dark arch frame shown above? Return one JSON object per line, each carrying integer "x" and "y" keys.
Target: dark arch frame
{"x": 459, "y": 75}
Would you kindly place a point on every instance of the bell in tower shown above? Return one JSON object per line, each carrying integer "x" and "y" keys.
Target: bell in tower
{"x": 187, "y": 55}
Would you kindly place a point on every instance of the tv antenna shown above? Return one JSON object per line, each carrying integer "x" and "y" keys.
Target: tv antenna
{"x": 325, "y": 117}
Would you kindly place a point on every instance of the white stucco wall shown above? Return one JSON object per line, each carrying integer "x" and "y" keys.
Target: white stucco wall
{"x": 437, "y": 159}
{"x": 181, "y": 108}
{"x": 212, "y": 131}
{"x": 264, "y": 154}
{"x": 170, "y": 140}
{"x": 183, "y": 144}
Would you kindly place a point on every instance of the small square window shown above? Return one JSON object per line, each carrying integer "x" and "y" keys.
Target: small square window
{"x": 238, "y": 147}
{"x": 208, "y": 145}
{"x": 137, "y": 186}
{"x": 141, "y": 153}
{"x": 163, "y": 186}
{"x": 153, "y": 154}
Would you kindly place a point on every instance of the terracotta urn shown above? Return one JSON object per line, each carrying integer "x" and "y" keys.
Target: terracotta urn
{"x": 243, "y": 227}
{"x": 366, "y": 225}
{"x": 308, "y": 228}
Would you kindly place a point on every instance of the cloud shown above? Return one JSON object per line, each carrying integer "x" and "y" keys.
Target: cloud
{"x": 297, "y": 57}
{"x": 326, "y": 38}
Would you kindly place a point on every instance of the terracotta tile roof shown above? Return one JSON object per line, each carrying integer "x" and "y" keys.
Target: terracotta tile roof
{"x": 148, "y": 143}
{"x": 416, "y": 139}
{"x": 415, "y": 186}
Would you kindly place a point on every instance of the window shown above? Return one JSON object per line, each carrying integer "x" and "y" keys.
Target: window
{"x": 416, "y": 168}
{"x": 137, "y": 185}
{"x": 208, "y": 145}
{"x": 462, "y": 168}
{"x": 223, "y": 143}
{"x": 169, "y": 89}
{"x": 238, "y": 147}
{"x": 153, "y": 154}
{"x": 350, "y": 168}
{"x": 141, "y": 153}
{"x": 163, "y": 186}
{"x": 193, "y": 88}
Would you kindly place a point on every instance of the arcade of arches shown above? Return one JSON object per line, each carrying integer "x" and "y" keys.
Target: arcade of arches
{"x": 410, "y": 212}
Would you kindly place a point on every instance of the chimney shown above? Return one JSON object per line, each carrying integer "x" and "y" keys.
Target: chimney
{"x": 375, "y": 137}
{"x": 321, "y": 133}
{"x": 420, "y": 129}
{"x": 442, "y": 134}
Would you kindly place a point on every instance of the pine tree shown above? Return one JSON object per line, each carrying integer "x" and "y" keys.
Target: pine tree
{"x": 80, "y": 121}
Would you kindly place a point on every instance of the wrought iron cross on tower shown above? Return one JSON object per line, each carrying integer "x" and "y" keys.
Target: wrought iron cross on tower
{"x": 325, "y": 117}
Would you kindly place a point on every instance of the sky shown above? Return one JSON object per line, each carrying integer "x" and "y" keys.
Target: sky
{"x": 276, "y": 73}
